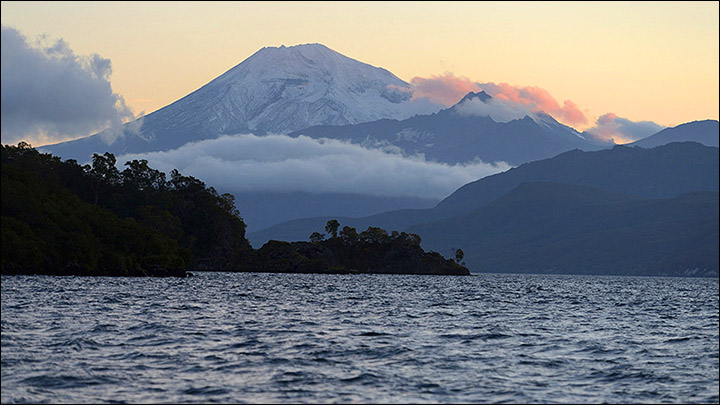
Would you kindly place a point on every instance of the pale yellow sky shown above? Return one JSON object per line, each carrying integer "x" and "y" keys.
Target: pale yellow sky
{"x": 655, "y": 61}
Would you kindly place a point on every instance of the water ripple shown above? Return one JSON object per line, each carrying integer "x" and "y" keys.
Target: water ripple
{"x": 312, "y": 338}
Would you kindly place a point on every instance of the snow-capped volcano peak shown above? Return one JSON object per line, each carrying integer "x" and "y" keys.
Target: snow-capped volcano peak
{"x": 275, "y": 90}
{"x": 306, "y": 61}
{"x": 281, "y": 89}
{"x": 308, "y": 57}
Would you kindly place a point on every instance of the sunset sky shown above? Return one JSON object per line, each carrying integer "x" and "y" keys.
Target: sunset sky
{"x": 643, "y": 61}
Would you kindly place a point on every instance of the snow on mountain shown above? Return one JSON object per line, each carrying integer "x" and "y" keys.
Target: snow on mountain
{"x": 276, "y": 90}
{"x": 286, "y": 89}
{"x": 482, "y": 104}
{"x": 477, "y": 127}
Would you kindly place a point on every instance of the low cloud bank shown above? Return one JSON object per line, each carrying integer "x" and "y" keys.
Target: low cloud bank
{"x": 270, "y": 163}
{"x": 50, "y": 95}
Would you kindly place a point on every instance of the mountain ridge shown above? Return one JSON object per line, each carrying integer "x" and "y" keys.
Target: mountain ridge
{"x": 705, "y": 132}
{"x": 452, "y": 135}
{"x": 545, "y": 227}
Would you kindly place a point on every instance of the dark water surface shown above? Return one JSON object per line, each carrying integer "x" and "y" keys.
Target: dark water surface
{"x": 223, "y": 337}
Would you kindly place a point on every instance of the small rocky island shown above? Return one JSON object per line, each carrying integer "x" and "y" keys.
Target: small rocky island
{"x": 63, "y": 218}
{"x": 347, "y": 251}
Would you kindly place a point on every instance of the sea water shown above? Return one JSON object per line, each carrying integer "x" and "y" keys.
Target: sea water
{"x": 250, "y": 337}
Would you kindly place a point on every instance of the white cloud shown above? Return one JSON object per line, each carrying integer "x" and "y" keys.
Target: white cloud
{"x": 49, "y": 94}
{"x": 281, "y": 163}
{"x": 613, "y": 129}
{"x": 498, "y": 110}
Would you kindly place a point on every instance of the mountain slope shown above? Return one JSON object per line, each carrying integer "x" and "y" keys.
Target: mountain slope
{"x": 563, "y": 228}
{"x": 455, "y": 136}
{"x": 276, "y": 90}
{"x": 663, "y": 172}
{"x": 705, "y": 132}
{"x": 265, "y": 209}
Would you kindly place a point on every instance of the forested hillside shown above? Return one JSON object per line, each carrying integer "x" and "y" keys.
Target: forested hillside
{"x": 66, "y": 219}
{"x": 95, "y": 219}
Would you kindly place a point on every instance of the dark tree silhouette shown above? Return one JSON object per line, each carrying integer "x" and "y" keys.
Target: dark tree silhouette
{"x": 459, "y": 255}
{"x": 142, "y": 177}
{"x": 371, "y": 251}
{"x": 103, "y": 173}
{"x": 332, "y": 227}
{"x": 349, "y": 234}
{"x": 94, "y": 220}
{"x": 317, "y": 237}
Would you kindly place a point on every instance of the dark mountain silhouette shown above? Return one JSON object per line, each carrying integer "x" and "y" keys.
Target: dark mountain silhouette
{"x": 705, "y": 132}
{"x": 564, "y": 228}
{"x": 265, "y": 209}
{"x": 664, "y": 172}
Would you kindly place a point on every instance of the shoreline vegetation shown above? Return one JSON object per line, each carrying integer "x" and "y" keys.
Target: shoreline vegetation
{"x": 350, "y": 252}
{"x": 61, "y": 218}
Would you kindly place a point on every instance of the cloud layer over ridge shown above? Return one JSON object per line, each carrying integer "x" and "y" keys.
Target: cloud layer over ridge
{"x": 248, "y": 162}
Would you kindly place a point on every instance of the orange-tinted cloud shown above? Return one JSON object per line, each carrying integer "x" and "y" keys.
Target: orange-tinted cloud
{"x": 537, "y": 99}
{"x": 446, "y": 89}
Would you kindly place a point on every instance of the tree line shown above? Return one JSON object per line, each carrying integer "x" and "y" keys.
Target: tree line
{"x": 60, "y": 216}
{"x": 348, "y": 251}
